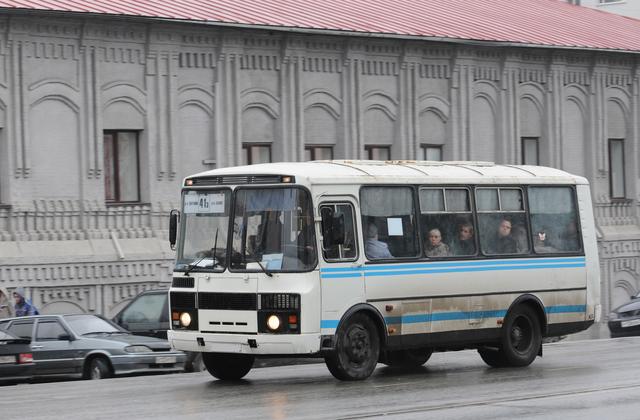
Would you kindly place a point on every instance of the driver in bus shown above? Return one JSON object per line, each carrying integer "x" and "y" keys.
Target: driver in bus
{"x": 373, "y": 247}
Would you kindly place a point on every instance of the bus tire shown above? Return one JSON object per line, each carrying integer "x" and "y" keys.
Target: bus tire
{"x": 493, "y": 358}
{"x": 357, "y": 349}
{"x": 228, "y": 366}
{"x": 521, "y": 337}
{"x": 407, "y": 358}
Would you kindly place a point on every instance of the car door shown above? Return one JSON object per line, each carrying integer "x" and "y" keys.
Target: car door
{"x": 147, "y": 315}
{"x": 53, "y": 352}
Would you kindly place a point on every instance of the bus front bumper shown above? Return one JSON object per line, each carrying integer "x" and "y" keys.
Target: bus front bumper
{"x": 257, "y": 344}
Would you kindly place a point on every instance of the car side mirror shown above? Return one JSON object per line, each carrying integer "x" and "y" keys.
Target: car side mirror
{"x": 174, "y": 216}
{"x": 65, "y": 337}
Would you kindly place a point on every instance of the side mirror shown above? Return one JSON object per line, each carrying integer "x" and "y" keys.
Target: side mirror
{"x": 65, "y": 337}
{"x": 174, "y": 217}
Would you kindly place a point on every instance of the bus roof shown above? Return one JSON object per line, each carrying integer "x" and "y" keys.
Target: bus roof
{"x": 401, "y": 171}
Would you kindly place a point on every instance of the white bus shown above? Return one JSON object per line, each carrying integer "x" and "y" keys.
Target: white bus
{"x": 366, "y": 262}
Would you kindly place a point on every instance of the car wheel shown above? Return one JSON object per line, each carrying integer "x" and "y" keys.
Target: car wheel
{"x": 98, "y": 368}
{"x": 357, "y": 349}
{"x": 228, "y": 366}
{"x": 407, "y": 358}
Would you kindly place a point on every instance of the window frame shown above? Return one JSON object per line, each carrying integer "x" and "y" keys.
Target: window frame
{"x": 354, "y": 216}
{"x": 369, "y": 148}
{"x": 525, "y": 210}
{"x": 247, "y": 146}
{"x": 312, "y": 149}
{"x": 42, "y": 321}
{"x": 416, "y": 203}
{"x": 425, "y": 147}
{"x": 612, "y": 195}
{"x": 523, "y": 140}
{"x": 472, "y": 216}
{"x": 116, "y": 181}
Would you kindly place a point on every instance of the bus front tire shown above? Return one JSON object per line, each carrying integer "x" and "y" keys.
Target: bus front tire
{"x": 357, "y": 349}
{"x": 407, "y": 358}
{"x": 228, "y": 366}
{"x": 520, "y": 340}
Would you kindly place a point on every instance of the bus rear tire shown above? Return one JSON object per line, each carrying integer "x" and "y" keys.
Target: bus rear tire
{"x": 521, "y": 336}
{"x": 520, "y": 340}
{"x": 228, "y": 366}
{"x": 407, "y": 358}
{"x": 357, "y": 349}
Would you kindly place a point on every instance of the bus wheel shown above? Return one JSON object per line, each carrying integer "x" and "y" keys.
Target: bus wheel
{"x": 228, "y": 366}
{"x": 357, "y": 349}
{"x": 493, "y": 358}
{"x": 521, "y": 336}
{"x": 407, "y": 358}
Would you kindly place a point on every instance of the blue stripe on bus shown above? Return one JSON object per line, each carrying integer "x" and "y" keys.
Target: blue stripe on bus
{"x": 435, "y": 268}
{"x": 457, "y": 316}
{"x": 455, "y": 264}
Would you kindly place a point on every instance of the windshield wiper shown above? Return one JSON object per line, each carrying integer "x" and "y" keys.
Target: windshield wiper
{"x": 264, "y": 269}
{"x": 214, "y": 258}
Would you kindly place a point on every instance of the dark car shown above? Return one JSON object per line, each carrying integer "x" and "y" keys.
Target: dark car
{"x": 16, "y": 359}
{"x": 91, "y": 347}
{"x": 148, "y": 314}
{"x": 624, "y": 320}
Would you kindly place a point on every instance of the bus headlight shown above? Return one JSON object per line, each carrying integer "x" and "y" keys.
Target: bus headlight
{"x": 185, "y": 319}
{"x": 273, "y": 322}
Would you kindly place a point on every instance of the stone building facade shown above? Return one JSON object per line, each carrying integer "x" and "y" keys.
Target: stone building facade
{"x": 101, "y": 119}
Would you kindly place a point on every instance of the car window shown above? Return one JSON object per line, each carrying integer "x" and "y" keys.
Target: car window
{"x": 22, "y": 329}
{"x": 90, "y": 324}
{"x": 6, "y": 335}
{"x": 146, "y": 308}
{"x": 48, "y": 330}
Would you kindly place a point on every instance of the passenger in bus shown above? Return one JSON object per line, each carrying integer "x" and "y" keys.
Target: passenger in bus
{"x": 373, "y": 247}
{"x": 434, "y": 247}
{"x": 504, "y": 243}
{"x": 464, "y": 243}
{"x": 541, "y": 243}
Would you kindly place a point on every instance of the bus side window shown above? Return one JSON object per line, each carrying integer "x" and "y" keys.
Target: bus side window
{"x": 338, "y": 232}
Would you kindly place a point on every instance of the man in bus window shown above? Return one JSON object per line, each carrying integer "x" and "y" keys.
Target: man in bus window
{"x": 434, "y": 247}
{"x": 504, "y": 243}
{"x": 464, "y": 244}
{"x": 373, "y": 247}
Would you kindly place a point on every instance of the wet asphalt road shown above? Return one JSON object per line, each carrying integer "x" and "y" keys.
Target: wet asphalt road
{"x": 594, "y": 379}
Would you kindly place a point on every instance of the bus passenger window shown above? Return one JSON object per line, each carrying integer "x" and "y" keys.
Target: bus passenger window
{"x": 447, "y": 222}
{"x": 553, "y": 220}
{"x": 388, "y": 217}
{"x": 502, "y": 221}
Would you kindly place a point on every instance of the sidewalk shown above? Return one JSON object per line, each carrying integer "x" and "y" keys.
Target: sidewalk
{"x": 596, "y": 331}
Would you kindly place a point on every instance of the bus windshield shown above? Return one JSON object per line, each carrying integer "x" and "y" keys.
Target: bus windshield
{"x": 205, "y": 222}
{"x": 273, "y": 230}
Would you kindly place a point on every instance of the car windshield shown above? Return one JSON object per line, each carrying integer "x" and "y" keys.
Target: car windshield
{"x": 273, "y": 230}
{"x": 7, "y": 336}
{"x": 90, "y": 324}
{"x": 205, "y": 223}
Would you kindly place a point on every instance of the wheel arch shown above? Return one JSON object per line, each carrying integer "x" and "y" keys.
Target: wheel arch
{"x": 534, "y": 303}
{"x": 372, "y": 313}
{"x": 95, "y": 355}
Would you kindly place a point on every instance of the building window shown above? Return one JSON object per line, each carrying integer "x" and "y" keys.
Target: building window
{"x": 318, "y": 153}
{"x": 256, "y": 153}
{"x": 616, "y": 168}
{"x": 530, "y": 151}
{"x": 121, "y": 166}
{"x": 378, "y": 152}
{"x": 431, "y": 152}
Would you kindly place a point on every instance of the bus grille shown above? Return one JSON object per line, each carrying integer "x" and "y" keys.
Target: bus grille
{"x": 237, "y": 179}
{"x": 228, "y": 301}
{"x": 183, "y": 300}
{"x": 184, "y": 282}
